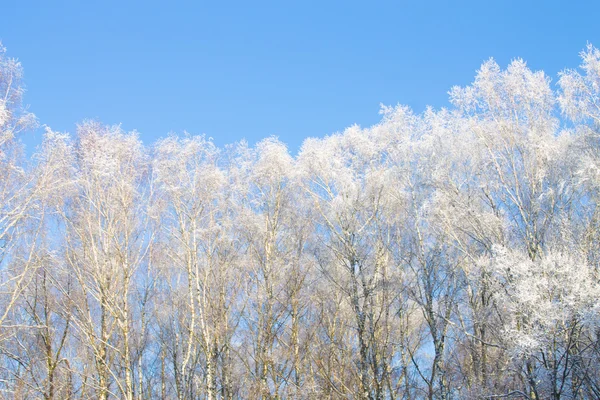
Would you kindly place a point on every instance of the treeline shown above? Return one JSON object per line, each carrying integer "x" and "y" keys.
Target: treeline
{"x": 452, "y": 254}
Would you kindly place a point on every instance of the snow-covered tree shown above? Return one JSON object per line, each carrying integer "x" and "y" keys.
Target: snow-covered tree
{"x": 448, "y": 254}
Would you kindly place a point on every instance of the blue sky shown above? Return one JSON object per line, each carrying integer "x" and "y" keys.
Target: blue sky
{"x": 293, "y": 69}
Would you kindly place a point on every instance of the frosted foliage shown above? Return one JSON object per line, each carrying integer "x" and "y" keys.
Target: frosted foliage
{"x": 589, "y": 170}
{"x": 57, "y": 148}
{"x": 187, "y": 166}
{"x": 342, "y": 163}
{"x": 273, "y": 162}
{"x": 397, "y": 126}
{"x": 108, "y": 153}
{"x": 323, "y": 167}
{"x": 57, "y": 166}
{"x": 514, "y": 107}
{"x": 499, "y": 93}
{"x": 579, "y": 98}
{"x": 580, "y": 93}
{"x": 13, "y": 117}
{"x": 110, "y": 167}
{"x": 4, "y": 114}
{"x": 544, "y": 298}
{"x": 316, "y": 156}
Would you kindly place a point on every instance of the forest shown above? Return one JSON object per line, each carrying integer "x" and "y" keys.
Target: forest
{"x": 448, "y": 254}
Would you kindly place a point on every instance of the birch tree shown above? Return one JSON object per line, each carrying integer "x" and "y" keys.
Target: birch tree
{"x": 202, "y": 253}
{"x": 18, "y": 189}
{"x": 106, "y": 245}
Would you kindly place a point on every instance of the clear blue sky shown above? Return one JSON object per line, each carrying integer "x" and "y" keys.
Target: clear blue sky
{"x": 252, "y": 69}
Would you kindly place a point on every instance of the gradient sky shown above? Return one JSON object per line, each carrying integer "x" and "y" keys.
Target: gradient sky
{"x": 252, "y": 69}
